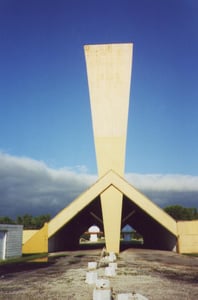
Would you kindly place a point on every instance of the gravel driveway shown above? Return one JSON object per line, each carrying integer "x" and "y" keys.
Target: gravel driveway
{"x": 156, "y": 275}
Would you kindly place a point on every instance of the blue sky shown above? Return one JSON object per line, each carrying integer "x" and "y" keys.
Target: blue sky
{"x": 45, "y": 118}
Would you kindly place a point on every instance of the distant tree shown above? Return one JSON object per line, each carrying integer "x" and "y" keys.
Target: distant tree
{"x": 6, "y": 220}
{"x": 39, "y": 221}
{"x": 30, "y": 222}
{"x": 26, "y": 221}
{"x": 182, "y": 213}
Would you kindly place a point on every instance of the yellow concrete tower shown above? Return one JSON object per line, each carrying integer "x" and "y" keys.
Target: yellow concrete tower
{"x": 109, "y": 76}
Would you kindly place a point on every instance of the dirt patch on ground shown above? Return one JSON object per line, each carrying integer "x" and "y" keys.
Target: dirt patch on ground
{"x": 157, "y": 275}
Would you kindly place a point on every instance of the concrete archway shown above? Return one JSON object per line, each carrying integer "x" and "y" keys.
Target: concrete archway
{"x": 112, "y": 201}
{"x": 155, "y": 235}
{"x": 67, "y": 236}
{"x": 157, "y": 228}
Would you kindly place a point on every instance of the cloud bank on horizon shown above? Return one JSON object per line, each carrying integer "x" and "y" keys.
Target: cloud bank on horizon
{"x": 30, "y": 186}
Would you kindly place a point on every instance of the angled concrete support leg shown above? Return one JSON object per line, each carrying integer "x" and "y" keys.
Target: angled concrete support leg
{"x": 111, "y": 200}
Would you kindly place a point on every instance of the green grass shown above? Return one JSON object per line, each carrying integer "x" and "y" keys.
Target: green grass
{"x": 191, "y": 254}
{"x": 24, "y": 258}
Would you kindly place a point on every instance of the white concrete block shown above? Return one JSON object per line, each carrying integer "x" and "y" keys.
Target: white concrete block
{"x": 113, "y": 265}
{"x": 102, "y": 283}
{"x": 112, "y": 257}
{"x": 124, "y": 296}
{"x": 99, "y": 294}
{"x": 110, "y": 271}
{"x": 91, "y": 277}
{"x": 130, "y": 296}
{"x": 92, "y": 265}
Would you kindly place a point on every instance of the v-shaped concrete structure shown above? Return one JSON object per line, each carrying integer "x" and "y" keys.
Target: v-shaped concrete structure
{"x": 112, "y": 202}
{"x": 137, "y": 210}
{"x": 109, "y": 78}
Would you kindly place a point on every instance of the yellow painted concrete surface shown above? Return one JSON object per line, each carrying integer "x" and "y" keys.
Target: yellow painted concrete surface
{"x": 109, "y": 79}
{"x": 27, "y": 234}
{"x": 144, "y": 203}
{"x": 188, "y": 243}
{"x": 78, "y": 204}
{"x": 107, "y": 151}
{"x": 111, "y": 187}
{"x": 187, "y": 227}
{"x": 187, "y": 236}
{"x": 38, "y": 243}
{"x": 111, "y": 200}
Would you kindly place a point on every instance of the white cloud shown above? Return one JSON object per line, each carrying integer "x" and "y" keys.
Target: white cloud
{"x": 167, "y": 182}
{"x": 167, "y": 189}
{"x": 30, "y": 186}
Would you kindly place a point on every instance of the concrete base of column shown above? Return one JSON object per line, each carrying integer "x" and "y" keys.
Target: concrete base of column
{"x": 111, "y": 201}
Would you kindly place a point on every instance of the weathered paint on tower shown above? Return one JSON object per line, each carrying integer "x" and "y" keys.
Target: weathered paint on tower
{"x": 109, "y": 72}
{"x": 109, "y": 78}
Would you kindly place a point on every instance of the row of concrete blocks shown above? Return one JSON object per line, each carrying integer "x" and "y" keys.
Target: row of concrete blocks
{"x": 102, "y": 290}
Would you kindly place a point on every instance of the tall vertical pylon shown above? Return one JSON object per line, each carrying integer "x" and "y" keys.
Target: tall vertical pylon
{"x": 109, "y": 76}
{"x": 109, "y": 69}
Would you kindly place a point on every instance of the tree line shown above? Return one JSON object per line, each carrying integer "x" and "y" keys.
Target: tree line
{"x": 182, "y": 213}
{"x": 28, "y": 221}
